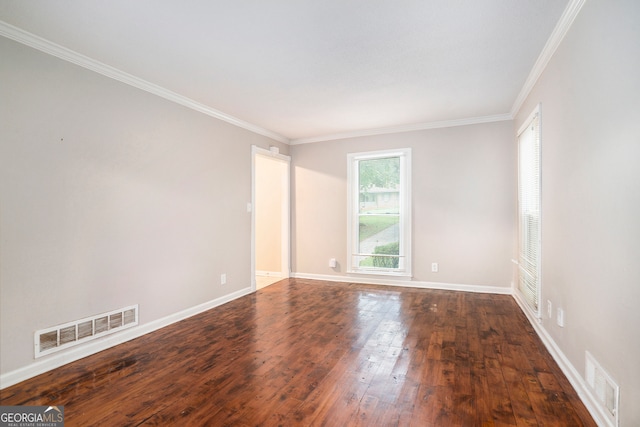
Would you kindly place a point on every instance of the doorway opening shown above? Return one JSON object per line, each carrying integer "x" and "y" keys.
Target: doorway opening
{"x": 270, "y": 217}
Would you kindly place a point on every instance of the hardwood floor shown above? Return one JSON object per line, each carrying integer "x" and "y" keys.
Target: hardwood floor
{"x": 307, "y": 353}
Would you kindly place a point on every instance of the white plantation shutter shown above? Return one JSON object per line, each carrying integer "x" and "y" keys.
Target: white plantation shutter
{"x": 529, "y": 210}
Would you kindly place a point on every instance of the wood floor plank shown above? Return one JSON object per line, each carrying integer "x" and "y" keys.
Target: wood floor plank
{"x": 313, "y": 353}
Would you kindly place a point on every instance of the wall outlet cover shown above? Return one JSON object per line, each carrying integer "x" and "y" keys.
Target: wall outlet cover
{"x": 560, "y": 317}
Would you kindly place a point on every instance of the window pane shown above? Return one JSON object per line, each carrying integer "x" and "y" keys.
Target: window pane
{"x": 379, "y": 234}
{"x": 377, "y": 262}
{"x": 379, "y": 185}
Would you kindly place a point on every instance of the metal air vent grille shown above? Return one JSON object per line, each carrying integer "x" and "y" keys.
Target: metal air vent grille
{"x": 56, "y": 338}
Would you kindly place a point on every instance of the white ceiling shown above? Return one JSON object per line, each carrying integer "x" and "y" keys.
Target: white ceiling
{"x": 312, "y": 69}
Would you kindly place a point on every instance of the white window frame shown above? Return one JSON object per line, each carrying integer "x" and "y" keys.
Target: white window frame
{"x": 529, "y": 285}
{"x": 353, "y": 193}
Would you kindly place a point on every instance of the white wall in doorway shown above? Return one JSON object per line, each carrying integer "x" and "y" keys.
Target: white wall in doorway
{"x": 271, "y": 215}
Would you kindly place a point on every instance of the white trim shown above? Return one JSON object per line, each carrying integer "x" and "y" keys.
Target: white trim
{"x": 575, "y": 379}
{"x": 567, "y": 368}
{"x": 373, "y": 272}
{"x": 406, "y": 283}
{"x": 536, "y": 113}
{"x": 268, "y": 153}
{"x": 527, "y": 122}
{"x": 353, "y": 194}
{"x": 46, "y": 46}
{"x": 529, "y": 311}
{"x": 404, "y": 128}
{"x": 75, "y": 353}
{"x": 556, "y": 37}
{"x": 263, "y": 273}
{"x": 286, "y": 212}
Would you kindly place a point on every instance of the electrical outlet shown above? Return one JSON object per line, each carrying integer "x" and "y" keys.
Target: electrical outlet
{"x": 434, "y": 267}
{"x": 549, "y": 309}
{"x": 223, "y": 278}
{"x": 560, "y": 317}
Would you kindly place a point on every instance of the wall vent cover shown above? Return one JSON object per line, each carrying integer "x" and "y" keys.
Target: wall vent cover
{"x": 604, "y": 389}
{"x": 56, "y": 338}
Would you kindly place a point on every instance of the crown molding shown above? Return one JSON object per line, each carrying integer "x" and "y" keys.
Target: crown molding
{"x": 21, "y": 36}
{"x": 405, "y": 128}
{"x": 556, "y": 37}
{"x": 46, "y": 46}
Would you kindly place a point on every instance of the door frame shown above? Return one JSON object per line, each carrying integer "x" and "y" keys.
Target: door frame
{"x": 286, "y": 211}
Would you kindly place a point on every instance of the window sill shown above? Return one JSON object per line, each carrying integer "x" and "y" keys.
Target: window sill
{"x": 373, "y": 273}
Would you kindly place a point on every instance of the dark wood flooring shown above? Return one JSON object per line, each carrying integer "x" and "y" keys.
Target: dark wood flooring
{"x": 313, "y": 353}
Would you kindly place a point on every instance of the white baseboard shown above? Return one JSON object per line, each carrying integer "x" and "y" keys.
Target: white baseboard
{"x": 75, "y": 353}
{"x": 576, "y": 380}
{"x": 389, "y": 280}
{"x": 570, "y": 371}
{"x": 269, "y": 273}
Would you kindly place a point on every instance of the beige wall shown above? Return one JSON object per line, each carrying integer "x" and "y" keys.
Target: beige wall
{"x": 463, "y": 185}
{"x": 111, "y": 196}
{"x": 270, "y": 178}
{"x": 590, "y": 110}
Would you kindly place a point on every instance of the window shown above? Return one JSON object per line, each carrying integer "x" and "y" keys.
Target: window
{"x": 379, "y": 212}
{"x": 529, "y": 210}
